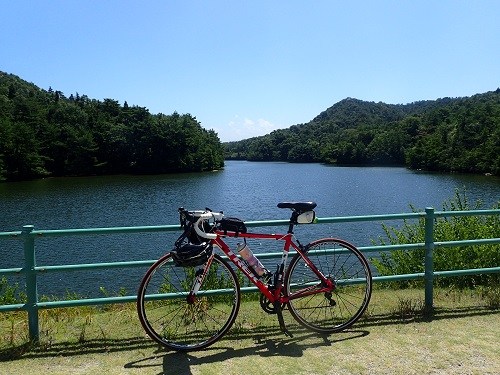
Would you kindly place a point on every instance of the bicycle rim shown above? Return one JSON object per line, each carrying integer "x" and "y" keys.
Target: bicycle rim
{"x": 343, "y": 264}
{"x": 169, "y": 319}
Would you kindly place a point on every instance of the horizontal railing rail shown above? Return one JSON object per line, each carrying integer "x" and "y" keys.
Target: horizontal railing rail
{"x": 28, "y": 235}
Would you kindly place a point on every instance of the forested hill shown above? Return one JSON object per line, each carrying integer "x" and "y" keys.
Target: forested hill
{"x": 45, "y": 133}
{"x": 450, "y": 134}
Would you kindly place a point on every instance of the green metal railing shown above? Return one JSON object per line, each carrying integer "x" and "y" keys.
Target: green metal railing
{"x": 28, "y": 235}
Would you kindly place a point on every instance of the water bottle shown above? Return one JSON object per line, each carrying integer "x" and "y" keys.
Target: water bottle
{"x": 251, "y": 260}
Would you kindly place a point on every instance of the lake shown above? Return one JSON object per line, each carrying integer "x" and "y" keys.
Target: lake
{"x": 248, "y": 190}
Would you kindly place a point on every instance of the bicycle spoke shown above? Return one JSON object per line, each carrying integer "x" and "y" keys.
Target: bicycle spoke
{"x": 181, "y": 325}
{"x": 347, "y": 268}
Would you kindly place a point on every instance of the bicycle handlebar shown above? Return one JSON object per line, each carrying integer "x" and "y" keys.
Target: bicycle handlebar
{"x": 205, "y": 216}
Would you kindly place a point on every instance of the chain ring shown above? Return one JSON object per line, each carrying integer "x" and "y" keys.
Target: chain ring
{"x": 267, "y": 305}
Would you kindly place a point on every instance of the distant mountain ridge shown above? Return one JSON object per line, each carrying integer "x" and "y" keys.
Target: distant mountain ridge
{"x": 356, "y": 111}
{"x": 45, "y": 133}
{"x": 448, "y": 134}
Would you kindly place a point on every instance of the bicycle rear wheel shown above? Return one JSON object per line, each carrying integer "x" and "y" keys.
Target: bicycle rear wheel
{"x": 349, "y": 271}
{"x": 183, "y": 324}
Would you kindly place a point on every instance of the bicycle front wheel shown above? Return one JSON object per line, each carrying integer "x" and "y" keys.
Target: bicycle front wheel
{"x": 347, "y": 268}
{"x": 180, "y": 323}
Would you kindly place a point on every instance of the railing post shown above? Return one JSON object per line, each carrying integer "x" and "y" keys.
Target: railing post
{"x": 31, "y": 284}
{"x": 429, "y": 262}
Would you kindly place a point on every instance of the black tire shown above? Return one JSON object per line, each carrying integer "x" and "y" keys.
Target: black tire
{"x": 347, "y": 268}
{"x": 170, "y": 320}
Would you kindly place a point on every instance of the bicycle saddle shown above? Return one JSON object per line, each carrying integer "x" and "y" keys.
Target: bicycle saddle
{"x": 298, "y": 206}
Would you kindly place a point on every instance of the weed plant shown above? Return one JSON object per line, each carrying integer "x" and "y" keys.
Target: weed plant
{"x": 84, "y": 326}
{"x": 446, "y": 258}
{"x": 10, "y": 293}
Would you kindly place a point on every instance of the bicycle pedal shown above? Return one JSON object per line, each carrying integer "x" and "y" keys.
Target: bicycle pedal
{"x": 330, "y": 299}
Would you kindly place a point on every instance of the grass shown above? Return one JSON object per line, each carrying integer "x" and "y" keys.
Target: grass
{"x": 394, "y": 337}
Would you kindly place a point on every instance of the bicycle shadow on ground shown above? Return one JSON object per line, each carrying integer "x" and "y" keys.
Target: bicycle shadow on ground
{"x": 267, "y": 343}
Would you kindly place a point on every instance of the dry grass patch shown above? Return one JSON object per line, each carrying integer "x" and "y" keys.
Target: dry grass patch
{"x": 394, "y": 337}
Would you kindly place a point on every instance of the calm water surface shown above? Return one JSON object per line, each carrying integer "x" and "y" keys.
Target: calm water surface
{"x": 243, "y": 189}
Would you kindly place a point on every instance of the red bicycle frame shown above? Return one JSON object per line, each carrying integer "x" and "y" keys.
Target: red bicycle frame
{"x": 273, "y": 294}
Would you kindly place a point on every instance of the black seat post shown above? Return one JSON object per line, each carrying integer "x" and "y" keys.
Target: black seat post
{"x": 293, "y": 221}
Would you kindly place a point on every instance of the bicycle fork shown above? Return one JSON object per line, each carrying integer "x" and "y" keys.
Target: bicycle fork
{"x": 199, "y": 276}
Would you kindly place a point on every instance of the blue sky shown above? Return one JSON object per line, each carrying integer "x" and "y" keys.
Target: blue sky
{"x": 245, "y": 68}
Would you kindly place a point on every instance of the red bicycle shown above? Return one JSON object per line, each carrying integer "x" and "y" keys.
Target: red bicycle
{"x": 191, "y": 296}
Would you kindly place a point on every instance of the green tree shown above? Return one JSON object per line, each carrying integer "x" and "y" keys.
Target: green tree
{"x": 44, "y": 133}
{"x": 448, "y": 134}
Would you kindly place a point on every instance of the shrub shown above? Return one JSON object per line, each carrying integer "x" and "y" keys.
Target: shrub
{"x": 446, "y": 258}
{"x": 10, "y": 294}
